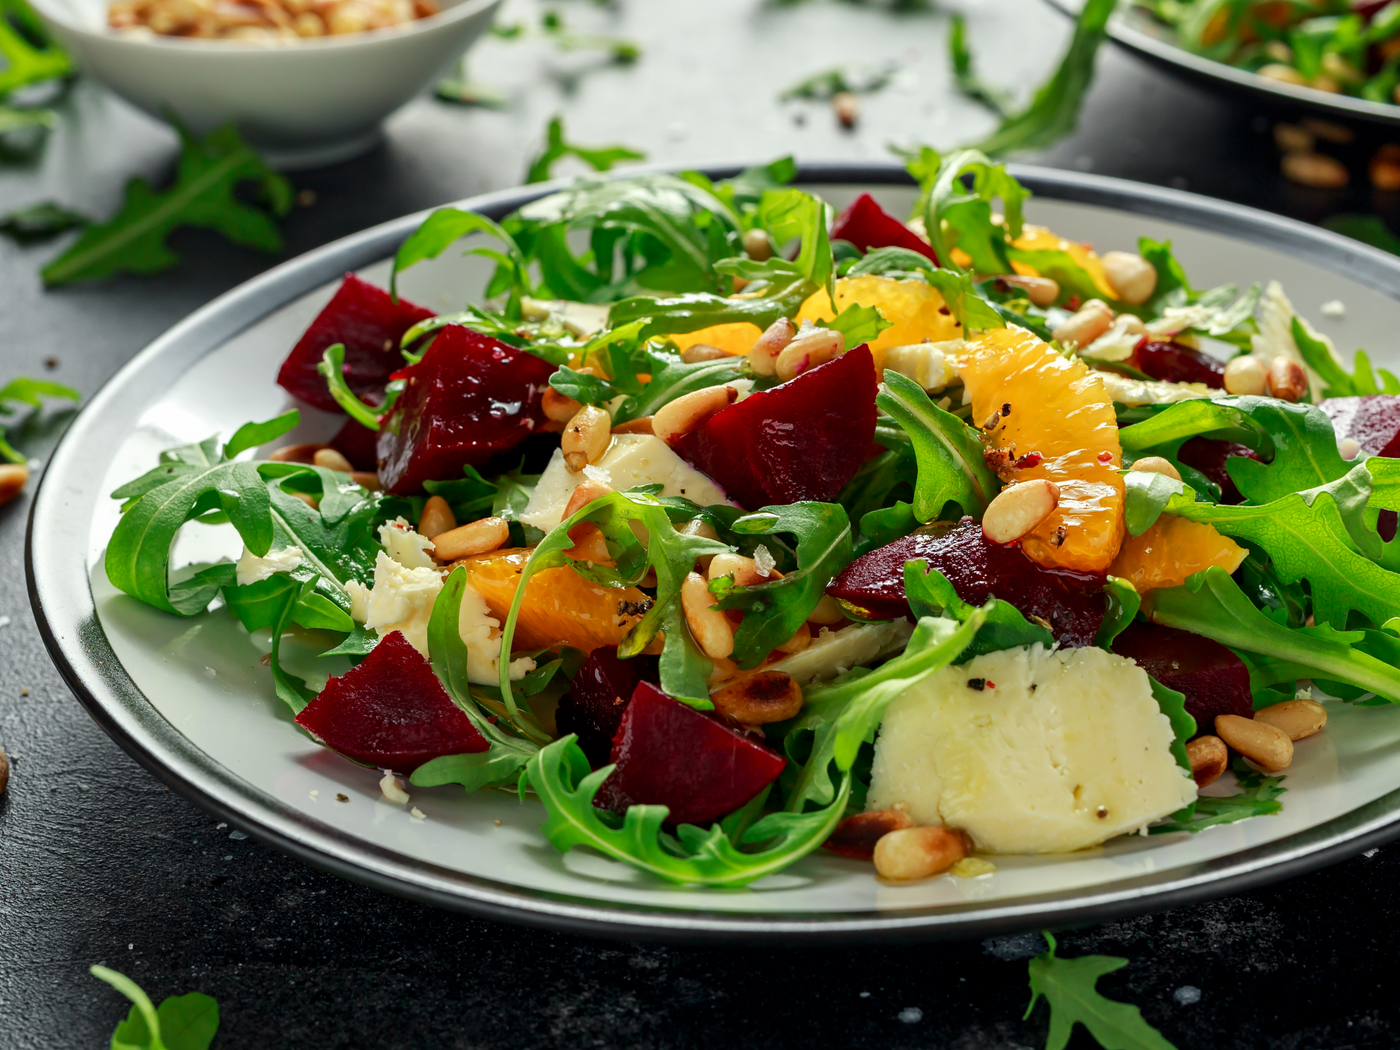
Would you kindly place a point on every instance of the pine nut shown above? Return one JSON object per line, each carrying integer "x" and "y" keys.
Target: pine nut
{"x": 585, "y": 492}
{"x": 763, "y": 356}
{"x": 1385, "y": 168}
{"x": 698, "y": 352}
{"x": 698, "y": 527}
{"x": 917, "y": 853}
{"x": 330, "y": 459}
{"x": 808, "y": 350}
{"x": 723, "y": 670}
{"x": 586, "y": 437}
{"x": 757, "y": 245}
{"x": 1286, "y": 74}
{"x": 1286, "y": 380}
{"x": 589, "y": 544}
{"x": 640, "y": 425}
{"x": 1292, "y": 139}
{"x": 1208, "y": 756}
{"x": 295, "y": 453}
{"x": 1316, "y": 170}
{"x": 437, "y": 518}
{"x": 1132, "y": 278}
{"x": 801, "y": 638}
{"x": 846, "y": 106}
{"x": 769, "y": 696}
{"x": 857, "y": 835}
{"x": 558, "y": 407}
{"x": 1267, "y": 746}
{"x": 1019, "y": 508}
{"x": 744, "y": 571}
{"x": 1093, "y": 319}
{"x": 1348, "y": 448}
{"x": 1157, "y": 465}
{"x": 828, "y": 611}
{"x": 1246, "y": 375}
{"x": 1338, "y": 68}
{"x": 1041, "y": 291}
{"x": 1297, "y": 718}
{"x": 13, "y": 477}
{"x": 366, "y": 479}
{"x": 689, "y": 411}
{"x": 476, "y": 537}
{"x": 310, "y": 500}
{"x": 708, "y": 626}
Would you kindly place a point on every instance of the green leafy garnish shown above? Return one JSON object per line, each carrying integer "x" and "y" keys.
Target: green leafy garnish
{"x": 1146, "y": 496}
{"x": 968, "y": 215}
{"x": 1123, "y": 605}
{"x": 931, "y": 594}
{"x": 556, "y": 148}
{"x": 1258, "y": 797}
{"x": 855, "y": 80}
{"x": 39, "y": 222}
{"x": 183, "y": 1022}
{"x": 995, "y": 98}
{"x": 30, "y": 54}
{"x": 1339, "y": 383}
{"x": 332, "y": 369}
{"x": 24, "y": 391}
{"x": 446, "y": 226}
{"x": 619, "y": 49}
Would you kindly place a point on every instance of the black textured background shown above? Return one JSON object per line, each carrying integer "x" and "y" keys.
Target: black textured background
{"x": 100, "y": 863}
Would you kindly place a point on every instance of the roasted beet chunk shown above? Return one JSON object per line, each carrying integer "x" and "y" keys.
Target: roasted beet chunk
{"x": 1371, "y": 420}
{"x": 867, "y": 225}
{"x": 668, "y": 754}
{"x": 470, "y": 398}
{"x": 802, "y": 440}
{"x": 357, "y": 443}
{"x": 1214, "y": 680}
{"x": 390, "y": 711}
{"x": 370, "y": 324}
{"x": 1180, "y": 364}
{"x": 1209, "y": 456}
{"x": 1072, "y": 603}
{"x": 593, "y": 708}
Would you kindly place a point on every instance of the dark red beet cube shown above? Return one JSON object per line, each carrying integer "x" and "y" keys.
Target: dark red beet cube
{"x": 867, "y": 225}
{"x": 1072, "y": 603}
{"x": 370, "y": 324}
{"x": 1214, "y": 680}
{"x": 469, "y": 398}
{"x": 390, "y": 711}
{"x": 592, "y": 709}
{"x": 359, "y": 444}
{"x": 1179, "y": 364}
{"x": 801, "y": 440}
{"x": 668, "y": 754}
{"x": 1209, "y": 457}
{"x": 1371, "y": 420}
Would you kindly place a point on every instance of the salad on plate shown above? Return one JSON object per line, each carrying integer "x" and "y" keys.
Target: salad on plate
{"x": 725, "y": 528}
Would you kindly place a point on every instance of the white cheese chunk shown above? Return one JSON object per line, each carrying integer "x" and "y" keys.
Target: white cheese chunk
{"x": 836, "y": 652}
{"x": 926, "y": 363}
{"x": 401, "y": 600}
{"x": 1057, "y": 751}
{"x": 405, "y": 545}
{"x": 481, "y": 633}
{"x": 1275, "y": 335}
{"x": 631, "y": 460}
{"x": 251, "y": 568}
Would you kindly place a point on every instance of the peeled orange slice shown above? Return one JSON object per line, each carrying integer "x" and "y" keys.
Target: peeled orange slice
{"x": 736, "y": 338}
{"x": 1170, "y": 550}
{"x": 1044, "y": 403}
{"x": 915, "y": 311}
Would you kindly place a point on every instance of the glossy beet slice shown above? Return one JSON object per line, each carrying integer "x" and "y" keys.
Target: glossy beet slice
{"x": 469, "y": 398}
{"x": 390, "y": 711}
{"x": 1371, "y": 420}
{"x": 370, "y": 324}
{"x": 1209, "y": 457}
{"x": 1214, "y": 680}
{"x": 593, "y": 707}
{"x": 867, "y": 225}
{"x": 672, "y": 755}
{"x": 1180, "y": 364}
{"x": 802, "y": 440}
{"x": 1071, "y": 602}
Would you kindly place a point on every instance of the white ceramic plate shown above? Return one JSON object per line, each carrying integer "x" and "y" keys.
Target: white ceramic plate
{"x": 191, "y": 699}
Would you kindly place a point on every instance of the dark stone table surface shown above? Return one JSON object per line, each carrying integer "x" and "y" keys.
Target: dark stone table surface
{"x": 100, "y": 863}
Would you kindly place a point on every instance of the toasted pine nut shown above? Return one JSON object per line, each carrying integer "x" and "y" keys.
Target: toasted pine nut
{"x": 763, "y": 356}
{"x": 828, "y": 611}
{"x": 1246, "y": 375}
{"x": 1287, "y": 74}
{"x": 330, "y": 459}
{"x": 698, "y": 352}
{"x": 917, "y": 853}
{"x": 559, "y": 407}
{"x": 366, "y": 479}
{"x": 1314, "y": 169}
{"x": 800, "y": 639}
{"x": 757, "y": 245}
{"x": 743, "y": 570}
{"x": 310, "y": 500}
{"x": 687, "y": 412}
{"x": 1286, "y": 380}
{"x": 589, "y": 543}
{"x": 769, "y": 696}
{"x": 708, "y": 626}
{"x": 1292, "y": 139}
{"x": 857, "y": 834}
{"x": 585, "y": 492}
{"x": 1385, "y": 168}
{"x": 1157, "y": 465}
{"x": 1208, "y": 756}
{"x": 475, "y": 537}
{"x": 723, "y": 670}
{"x": 1042, "y": 291}
{"x": 1019, "y": 508}
{"x": 640, "y": 425}
{"x": 1093, "y": 319}
{"x": 1132, "y": 278}
{"x": 1298, "y": 718}
{"x": 807, "y": 350}
{"x": 846, "y": 106}
{"x": 437, "y": 518}
{"x": 698, "y": 527}
{"x": 295, "y": 453}
{"x": 13, "y": 477}
{"x": 1267, "y": 746}
{"x": 586, "y": 437}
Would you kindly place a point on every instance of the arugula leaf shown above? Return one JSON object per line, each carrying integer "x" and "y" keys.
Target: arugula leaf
{"x": 185, "y": 1022}
{"x": 856, "y": 80}
{"x": 621, "y": 50}
{"x": 31, "y": 55}
{"x": 930, "y": 593}
{"x": 26, "y": 391}
{"x": 1123, "y": 605}
{"x": 997, "y": 99}
{"x": 1146, "y": 496}
{"x": 949, "y": 453}
{"x": 1319, "y": 358}
{"x": 38, "y": 222}
{"x": 743, "y": 192}
{"x": 445, "y": 227}
{"x": 209, "y": 173}
{"x": 672, "y": 377}
{"x": 583, "y": 387}
{"x": 881, "y": 484}
{"x": 944, "y": 198}
{"x": 332, "y": 369}
{"x": 859, "y": 324}
{"x": 1258, "y": 798}
{"x": 774, "y": 611}
{"x": 790, "y": 213}
{"x": 1070, "y": 987}
{"x": 599, "y": 158}
{"x": 972, "y": 311}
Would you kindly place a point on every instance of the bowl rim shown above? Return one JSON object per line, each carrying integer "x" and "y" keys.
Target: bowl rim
{"x": 448, "y": 16}
{"x": 65, "y": 612}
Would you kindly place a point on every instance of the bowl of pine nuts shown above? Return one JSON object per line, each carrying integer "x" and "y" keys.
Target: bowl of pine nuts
{"x": 306, "y": 82}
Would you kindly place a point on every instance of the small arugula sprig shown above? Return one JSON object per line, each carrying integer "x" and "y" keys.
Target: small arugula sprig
{"x": 26, "y": 392}
{"x": 1070, "y": 988}
{"x": 181, "y": 1022}
{"x": 1258, "y": 797}
{"x": 965, "y": 77}
{"x": 556, "y": 148}
{"x": 38, "y": 222}
{"x": 1362, "y": 380}
{"x": 30, "y": 54}
{"x": 855, "y": 80}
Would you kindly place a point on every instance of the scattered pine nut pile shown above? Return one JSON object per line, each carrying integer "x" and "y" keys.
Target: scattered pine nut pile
{"x": 264, "y": 20}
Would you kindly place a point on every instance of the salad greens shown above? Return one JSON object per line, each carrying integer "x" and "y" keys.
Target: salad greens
{"x": 24, "y": 391}
{"x": 556, "y": 148}
{"x": 181, "y": 1022}
{"x": 1069, "y": 986}
{"x": 38, "y": 221}
{"x": 30, "y": 54}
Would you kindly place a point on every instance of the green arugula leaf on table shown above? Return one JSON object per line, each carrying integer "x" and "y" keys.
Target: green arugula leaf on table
{"x": 849, "y": 79}
{"x": 183, "y": 1022}
{"x": 38, "y": 222}
{"x": 1070, "y": 988}
{"x": 1362, "y": 380}
{"x": 965, "y": 77}
{"x": 12, "y": 119}
{"x": 30, "y": 54}
{"x": 204, "y": 194}
{"x": 556, "y": 148}
{"x": 1258, "y": 797}
{"x": 24, "y": 391}
{"x": 619, "y": 49}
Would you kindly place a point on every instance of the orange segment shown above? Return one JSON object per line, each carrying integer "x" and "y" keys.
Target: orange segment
{"x": 1038, "y": 238}
{"x": 1059, "y": 409}
{"x": 915, "y": 311}
{"x": 559, "y": 606}
{"x": 736, "y": 338}
{"x": 1172, "y": 549}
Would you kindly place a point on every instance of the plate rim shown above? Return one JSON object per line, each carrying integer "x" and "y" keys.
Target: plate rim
{"x": 64, "y": 610}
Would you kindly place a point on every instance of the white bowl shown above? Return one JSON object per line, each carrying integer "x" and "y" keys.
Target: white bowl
{"x": 300, "y": 104}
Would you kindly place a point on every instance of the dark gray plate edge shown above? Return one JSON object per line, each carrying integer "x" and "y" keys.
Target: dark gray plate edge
{"x": 64, "y": 610}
